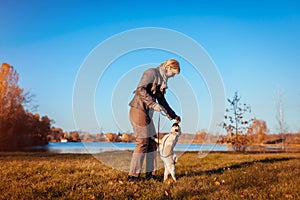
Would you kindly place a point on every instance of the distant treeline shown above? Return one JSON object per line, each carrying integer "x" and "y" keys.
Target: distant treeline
{"x": 58, "y": 135}
{"x": 286, "y": 138}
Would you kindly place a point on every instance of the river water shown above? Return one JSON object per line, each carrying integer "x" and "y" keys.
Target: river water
{"x": 99, "y": 147}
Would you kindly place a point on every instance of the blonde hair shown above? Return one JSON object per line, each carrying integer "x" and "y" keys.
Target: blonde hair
{"x": 173, "y": 64}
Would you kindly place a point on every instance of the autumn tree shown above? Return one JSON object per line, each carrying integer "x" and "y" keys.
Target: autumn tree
{"x": 236, "y": 123}
{"x": 127, "y": 137}
{"x": 18, "y": 128}
{"x": 11, "y": 97}
{"x": 100, "y": 137}
{"x": 112, "y": 137}
{"x": 74, "y": 136}
{"x": 87, "y": 137}
{"x": 258, "y": 130}
{"x": 56, "y": 134}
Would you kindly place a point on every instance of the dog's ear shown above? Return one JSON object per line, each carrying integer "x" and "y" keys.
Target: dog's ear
{"x": 175, "y": 124}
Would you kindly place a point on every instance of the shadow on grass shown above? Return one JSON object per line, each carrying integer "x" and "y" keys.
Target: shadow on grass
{"x": 233, "y": 167}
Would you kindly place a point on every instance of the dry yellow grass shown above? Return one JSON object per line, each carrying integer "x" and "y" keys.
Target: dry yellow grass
{"x": 216, "y": 176}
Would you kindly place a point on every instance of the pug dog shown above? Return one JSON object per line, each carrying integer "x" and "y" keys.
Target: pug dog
{"x": 166, "y": 149}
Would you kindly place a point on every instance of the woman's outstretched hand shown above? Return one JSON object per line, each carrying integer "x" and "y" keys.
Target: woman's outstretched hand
{"x": 177, "y": 119}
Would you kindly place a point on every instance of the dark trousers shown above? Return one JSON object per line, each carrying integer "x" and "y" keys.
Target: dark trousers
{"x": 145, "y": 147}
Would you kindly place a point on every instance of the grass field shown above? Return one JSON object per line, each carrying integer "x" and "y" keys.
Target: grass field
{"x": 215, "y": 176}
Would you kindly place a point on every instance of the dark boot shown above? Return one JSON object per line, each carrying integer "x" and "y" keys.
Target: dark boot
{"x": 133, "y": 178}
{"x": 149, "y": 176}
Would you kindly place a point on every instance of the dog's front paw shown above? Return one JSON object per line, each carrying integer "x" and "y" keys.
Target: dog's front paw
{"x": 155, "y": 139}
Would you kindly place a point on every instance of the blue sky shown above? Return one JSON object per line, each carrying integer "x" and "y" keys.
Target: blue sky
{"x": 255, "y": 46}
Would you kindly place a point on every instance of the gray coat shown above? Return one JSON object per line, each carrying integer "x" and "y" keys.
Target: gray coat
{"x": 148, "y": 92}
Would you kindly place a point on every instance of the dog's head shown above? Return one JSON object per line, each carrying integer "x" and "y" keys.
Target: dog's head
{"x": 176, "y": 129}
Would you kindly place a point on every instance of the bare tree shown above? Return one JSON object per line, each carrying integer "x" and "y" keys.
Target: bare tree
{"x": 282, "y": 127}
{"x": 236, "y": 123}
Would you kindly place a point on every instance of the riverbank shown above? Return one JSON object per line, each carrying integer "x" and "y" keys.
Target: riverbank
{"x": 214, "y": 176}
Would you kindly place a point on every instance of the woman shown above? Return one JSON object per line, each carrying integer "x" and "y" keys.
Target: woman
{"x": 149, "y": 97}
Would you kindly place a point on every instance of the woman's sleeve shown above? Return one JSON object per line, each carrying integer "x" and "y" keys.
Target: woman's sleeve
{"x": 141, "y": 91}
{"x": 163, "y": 102}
